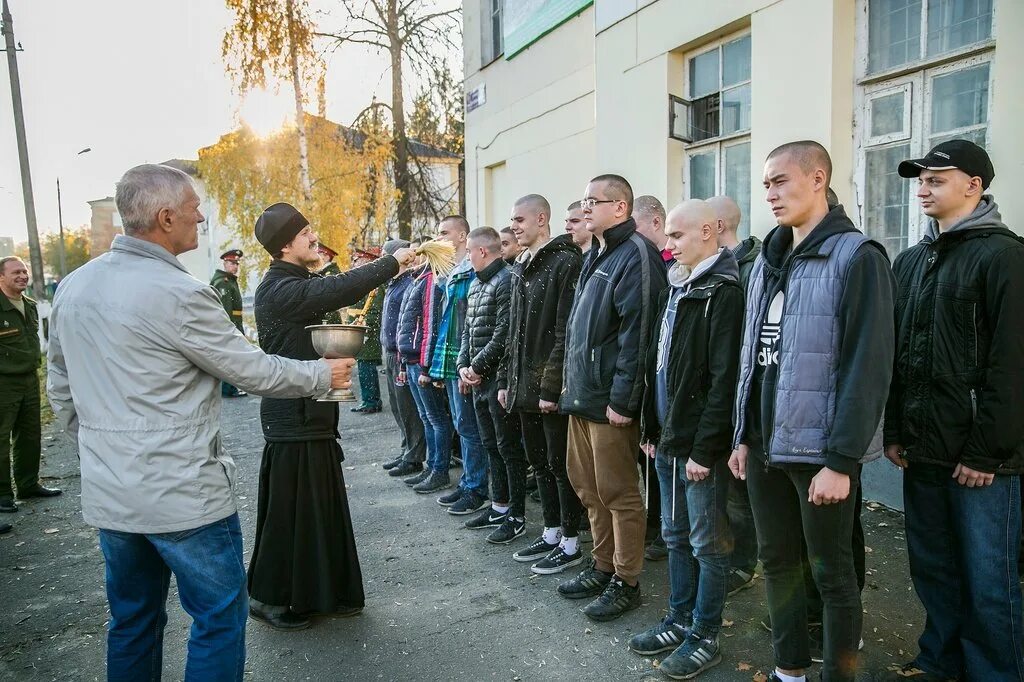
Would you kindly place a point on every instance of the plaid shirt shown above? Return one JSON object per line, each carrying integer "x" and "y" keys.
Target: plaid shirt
{"x": 453, "y": 320}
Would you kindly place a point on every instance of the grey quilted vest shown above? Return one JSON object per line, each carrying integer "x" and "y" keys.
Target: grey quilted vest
{"x": 805, "y": 395}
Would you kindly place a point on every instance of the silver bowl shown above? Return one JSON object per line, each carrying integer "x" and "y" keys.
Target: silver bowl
{"x": 334, "y": 341}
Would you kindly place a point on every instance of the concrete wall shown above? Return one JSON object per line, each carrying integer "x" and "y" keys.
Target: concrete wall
{"x": 535, "y": 133}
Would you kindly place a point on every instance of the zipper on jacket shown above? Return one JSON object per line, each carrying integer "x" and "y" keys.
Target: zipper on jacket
{"x": 706, "y": 306}
{"x": 974, "y": 406}
{"x": 974, "y": 322}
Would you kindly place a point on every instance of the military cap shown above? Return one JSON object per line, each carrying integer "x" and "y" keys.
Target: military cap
{"x": 233, "y": 254}
{"x": 278, "y": 225}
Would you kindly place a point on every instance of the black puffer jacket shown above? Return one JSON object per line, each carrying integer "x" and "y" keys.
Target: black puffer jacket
{"x": 957, "y": 394}
{"x": 703, "y": 357}
{"x": 287, "y": 300}
{"x": 542, "y": 293}
{"x": 611, "y": 327}
{"x": 486, "y": 329}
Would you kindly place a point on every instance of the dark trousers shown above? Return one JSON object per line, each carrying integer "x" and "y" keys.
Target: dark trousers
{"x": 546, "y": 439}
{"x": 403, "y": 408}
{"x": 741, "y": 520}
{"x": 963, "y": 544}
{"x": 652, "y": 491}
{"x": 503, "y": 441}
{"x": 369, "y": 383}
{"x": 815, "y": 606}
{"x": 20, "y": 432}
{"x": 785, "y": 519}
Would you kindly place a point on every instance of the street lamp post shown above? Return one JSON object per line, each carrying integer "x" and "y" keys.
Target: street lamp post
{"x": 60, "y": 223}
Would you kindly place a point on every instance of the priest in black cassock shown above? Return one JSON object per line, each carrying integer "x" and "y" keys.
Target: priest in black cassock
{"x": 304, "y": 560}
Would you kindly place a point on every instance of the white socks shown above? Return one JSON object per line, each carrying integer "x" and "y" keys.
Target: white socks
{"x": 789, "y": 678}
{"x": 500, "y": 509}
{"x": 552, "y": 535}
{"x": 570, "y": 545}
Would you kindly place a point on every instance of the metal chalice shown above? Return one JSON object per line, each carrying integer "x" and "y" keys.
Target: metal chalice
{"x": 338, "y": 341}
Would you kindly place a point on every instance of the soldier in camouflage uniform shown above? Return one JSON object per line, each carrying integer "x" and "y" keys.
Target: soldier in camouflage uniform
{"x": 20, "y": 424}
{"x": 225, "y": 281}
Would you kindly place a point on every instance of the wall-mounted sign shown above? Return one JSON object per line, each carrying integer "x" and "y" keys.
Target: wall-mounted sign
{"x": 476, "y": 97}
{"x": 527, "y": 20}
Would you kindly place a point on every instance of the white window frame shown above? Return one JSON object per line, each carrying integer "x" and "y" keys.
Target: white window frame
{"x": 923, "y": 61}
{"x": 917, "y": 80}
{"x": 907, "y": 90}
{"x": 489, "y": 53}
{"x": 720, "y": 143}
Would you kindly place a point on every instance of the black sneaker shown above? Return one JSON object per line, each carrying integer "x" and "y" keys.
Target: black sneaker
{"x": 537, "y": 549}
{"x": 388, "y": 466}
{"x": 468, "y": 503}
{"x": 664, "y": 636}
{"x": 556, "y": 561}
{"x": 656, "y": 551}
{"x": 488, "y": 518}
{"x": 692, "y": 658}
{"x": 406, "y": 469}
{"x": 737, "y": 581}
{"x": 431, "y": 484}
{"x": 418, "y": 478}
{"x": 588, "y": 583}
{"x": 617, "y": 599}
{"x": 509, "y": 530}
{"x": 451, "y": 498}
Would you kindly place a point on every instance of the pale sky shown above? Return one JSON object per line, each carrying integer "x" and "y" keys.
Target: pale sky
{"x": 138, "y": 81}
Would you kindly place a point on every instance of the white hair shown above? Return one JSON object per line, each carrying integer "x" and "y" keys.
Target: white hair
{"x": 145, "y": 190}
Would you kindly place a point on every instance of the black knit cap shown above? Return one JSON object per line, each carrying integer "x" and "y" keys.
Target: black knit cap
{"x": 278, "y": 225}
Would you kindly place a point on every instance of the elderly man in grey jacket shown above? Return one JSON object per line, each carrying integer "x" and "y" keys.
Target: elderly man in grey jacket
{"x": 138, "y": 348}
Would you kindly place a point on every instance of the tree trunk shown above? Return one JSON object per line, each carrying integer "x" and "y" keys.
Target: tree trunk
{"x": 403, "y": 181}
{"x": 300, "y": 117}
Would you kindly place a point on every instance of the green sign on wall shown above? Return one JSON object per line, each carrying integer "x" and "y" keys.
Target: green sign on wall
{"x": 527, "y": 20}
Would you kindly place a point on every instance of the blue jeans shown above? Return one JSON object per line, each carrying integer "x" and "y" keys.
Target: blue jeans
{"x": 699, "y": 542}
{"x": 963, "y": 545}
{"x": 207, "y": 564}
{"x": 474, "y": 459}
{"x": 437, "y": 425}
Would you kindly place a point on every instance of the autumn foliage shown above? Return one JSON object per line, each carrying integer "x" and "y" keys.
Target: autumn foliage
{"x": 244, "y": 173}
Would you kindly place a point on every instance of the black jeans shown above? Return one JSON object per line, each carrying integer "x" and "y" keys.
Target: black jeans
{"x": 778, "y": 497}
{"x": 815, "y": 606}
{"x": 546, "y": 438}
{"x": 653, "y": 493}
{"x": 503, "y": 442}
{"x": 741, "y": 520}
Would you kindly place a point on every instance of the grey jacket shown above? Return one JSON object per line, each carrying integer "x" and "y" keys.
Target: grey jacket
{"x": 138, "y": 348}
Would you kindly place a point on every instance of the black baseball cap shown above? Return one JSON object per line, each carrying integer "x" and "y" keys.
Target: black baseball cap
{"x": 959, "y": 154}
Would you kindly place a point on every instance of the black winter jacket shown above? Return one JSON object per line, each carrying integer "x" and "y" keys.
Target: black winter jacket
{"x": 542, "y": 294}
{"x": 703, "y": 361}
{"x": 957, "y": 394}
{"x": 287, "y": 300}
{"x": 746, "y": 253}
{"x": 611, "y": 326}
{"x": 486, "y": 329}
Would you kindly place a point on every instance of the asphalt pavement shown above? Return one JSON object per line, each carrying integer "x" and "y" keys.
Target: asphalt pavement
{"x": 442, "y": 604}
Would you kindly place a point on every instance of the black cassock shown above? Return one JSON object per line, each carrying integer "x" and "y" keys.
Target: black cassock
{"x": 304, "y": 555}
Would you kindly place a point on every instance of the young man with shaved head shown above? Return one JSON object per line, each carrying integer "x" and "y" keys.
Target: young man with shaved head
{"x": 510, "y": 248}
{"x": 543, "y": 284}
{"x": 815, "y": 367}
{"x": 953, "y": 420}
{"x": 609, "y": 333}
{"x": 576, "y": 227}
{"x": 691, "y": 385}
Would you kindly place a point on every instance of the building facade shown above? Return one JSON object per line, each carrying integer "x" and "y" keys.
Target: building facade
{"x": 685, "y": 98}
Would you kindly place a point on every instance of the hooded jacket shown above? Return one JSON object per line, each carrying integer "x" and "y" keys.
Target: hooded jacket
{"x": 957, "y": 394}
{"x": 486, "y": 329}
{"x": 611, "y": 326}
{"x": 542, "y": 288}
{"x": 746, "y": 253}
{"x": 419, "y": 320}
{"x": 819, "y": 339}
{"x": 696, "y": 362}
{"x": 288, "y": 299}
